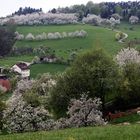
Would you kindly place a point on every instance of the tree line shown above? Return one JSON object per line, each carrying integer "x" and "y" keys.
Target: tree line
{"x": 104, "y": 9}
{"x": 26, "y": 10}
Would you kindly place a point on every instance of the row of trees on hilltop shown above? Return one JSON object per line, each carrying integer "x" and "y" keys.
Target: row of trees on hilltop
{"x": 26, "y": 10}
{"x": 124, "y": 9}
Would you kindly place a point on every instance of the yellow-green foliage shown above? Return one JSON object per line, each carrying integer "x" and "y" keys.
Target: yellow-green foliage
{"x": 119, "y": 35}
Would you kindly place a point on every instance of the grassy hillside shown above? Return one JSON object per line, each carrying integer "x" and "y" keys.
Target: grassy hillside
{"x": 90, "y": 133}
{"x": 97, "y": 37}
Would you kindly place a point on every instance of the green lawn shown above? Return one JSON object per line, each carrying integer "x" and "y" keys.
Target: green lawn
{"x": 90, "y": 133}
{"x": 44, "y": 68}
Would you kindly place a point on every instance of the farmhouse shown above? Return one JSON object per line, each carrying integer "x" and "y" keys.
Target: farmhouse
{"x": 22, "y": 68}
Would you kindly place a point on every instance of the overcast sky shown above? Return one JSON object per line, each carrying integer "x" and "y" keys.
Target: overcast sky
{"x": 9, "y": 6}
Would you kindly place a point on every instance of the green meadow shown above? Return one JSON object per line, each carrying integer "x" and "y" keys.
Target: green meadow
{"x": 109, "y": 132}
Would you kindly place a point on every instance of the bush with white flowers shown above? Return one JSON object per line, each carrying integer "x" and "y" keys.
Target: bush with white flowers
{"x": 19, "y": 36}
{"x": 97, "y": 20}
{"x": 127, "y": 55}
{"x": 106, "y": 22}
{"x": 57, "y": 35}
{"x": 114, "y": 21}
{"x": 133, "y": 19}
{"x": 30, "y": 37}
{"x": 92, "y": 19}
{"x": 64, "y": 35}
{"x": 52, "y": 36}
{"x": 82, "y": 112}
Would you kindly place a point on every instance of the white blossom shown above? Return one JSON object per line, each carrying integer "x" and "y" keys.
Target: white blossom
{"x": 82, "y": 112}
{"x": 127, "y": 55}
{"x": 41, "y": 18}
{"x": 30, "y": 37}
{"x": 133, "y": 19}
{"x": 92, "y": 19}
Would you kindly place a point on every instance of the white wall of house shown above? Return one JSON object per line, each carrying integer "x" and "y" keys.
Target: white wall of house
{"x": 23, "y": 73}
{"x": 15, "y": 68}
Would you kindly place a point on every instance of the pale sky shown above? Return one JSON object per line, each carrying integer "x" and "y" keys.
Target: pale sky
{"x": 9, "y": 6}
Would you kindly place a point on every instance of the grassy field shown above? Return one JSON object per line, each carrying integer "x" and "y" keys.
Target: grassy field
{"x": 109, "y": 132}
{"x": 97, "y": 37}
{"x": 44, "y": 68}
{"x": 132, "y": 33}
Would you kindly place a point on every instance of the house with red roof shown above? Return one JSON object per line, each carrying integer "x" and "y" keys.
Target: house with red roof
{"x": 22, "y": 69}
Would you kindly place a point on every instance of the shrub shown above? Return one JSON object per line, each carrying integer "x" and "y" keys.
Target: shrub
{"x": 105, "y": 22}
{"x": 44, "y": 36}
{"x": 57, "y": 35}
{"x": 50, "y": 36}
{"x": 116, "y": 16}
{"x": 64, "y": 35}
{"x": 36, "y": 60}
{"x": 30, "y": 37}
{"x": 72, "y": 57}
{"x": 38, "y": 37}
{"x": 19, "y": 36}
{"x": 119, "y": 36}
{"x": 114, "y": 22}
